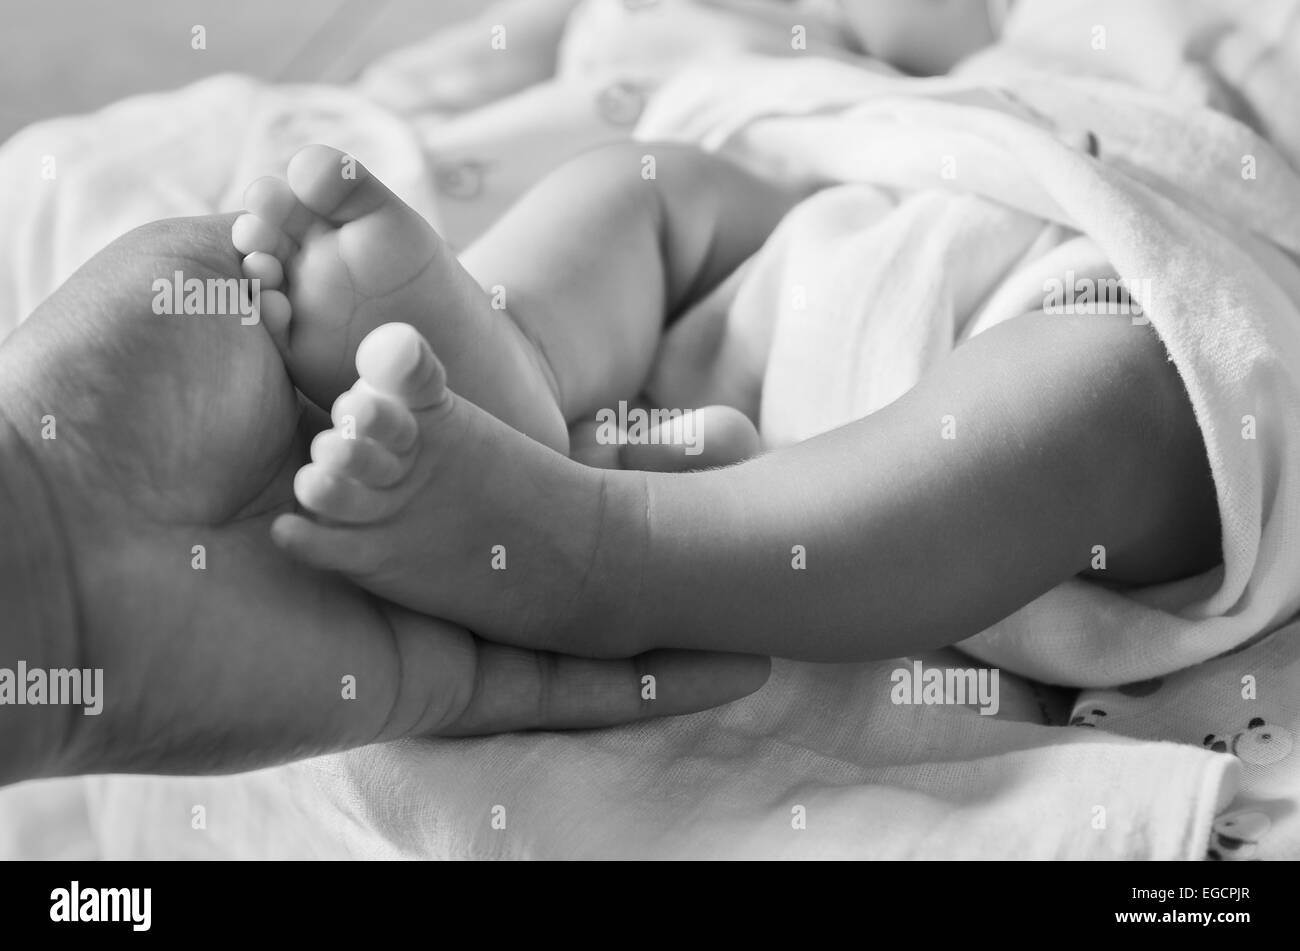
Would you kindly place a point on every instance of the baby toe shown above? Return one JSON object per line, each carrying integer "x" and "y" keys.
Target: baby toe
{"x": 275, "y": 312}
{"x": 260, "y": 266}
{"x": 272, "y": 200}
{"x": 323, "y": 178}
{"x": 361, "y": 459}
{"x": 333, "y": 496}
{"x": 327, "y": 547}
{"x": 397, "y": 361}
{"x": 364, "y": 412}
{"x": 251, "y": 234}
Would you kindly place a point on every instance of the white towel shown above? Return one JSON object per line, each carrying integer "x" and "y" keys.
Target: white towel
{"x": 79, "y": 182}
{"x": 1171, "y": 202}
{"x": 821, "y": 762}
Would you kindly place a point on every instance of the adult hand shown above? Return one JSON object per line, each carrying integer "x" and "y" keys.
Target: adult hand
{"x": 173, "y": 432}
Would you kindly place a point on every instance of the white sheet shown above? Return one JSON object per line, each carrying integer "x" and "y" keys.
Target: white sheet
{"x": 873, "y": 778}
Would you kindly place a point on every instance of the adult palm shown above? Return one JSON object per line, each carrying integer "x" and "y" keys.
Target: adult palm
{"x": 174, "y": 432}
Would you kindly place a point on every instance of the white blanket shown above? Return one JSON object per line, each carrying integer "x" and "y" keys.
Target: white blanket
{"x": 822, "y": 762}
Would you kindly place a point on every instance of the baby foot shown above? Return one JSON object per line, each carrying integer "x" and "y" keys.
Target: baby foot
{"x": 339, "y": 254}
{"x": 425, "y": 499}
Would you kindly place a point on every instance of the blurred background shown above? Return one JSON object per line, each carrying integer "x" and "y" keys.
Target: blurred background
{"x": 69, "y": 56}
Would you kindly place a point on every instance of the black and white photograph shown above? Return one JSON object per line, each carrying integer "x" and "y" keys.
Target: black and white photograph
{"x": 650, "y": 430}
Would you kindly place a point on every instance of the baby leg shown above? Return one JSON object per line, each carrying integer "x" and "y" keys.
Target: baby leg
{"x": 882, "y": 537}
{"x": 609, "y": 248}
{"x": 984, "y": 487}
{"x": 576, "y": 279}
{"x": 338, "y": 254}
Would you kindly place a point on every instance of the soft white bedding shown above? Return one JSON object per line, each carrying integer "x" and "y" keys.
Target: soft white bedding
{"x": 821, "y": 762}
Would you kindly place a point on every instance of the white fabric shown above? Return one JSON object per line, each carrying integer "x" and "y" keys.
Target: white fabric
{"x": 892, "y": 286}
{"x": 81, "y": 181}
{"x": 874, "y": 779}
